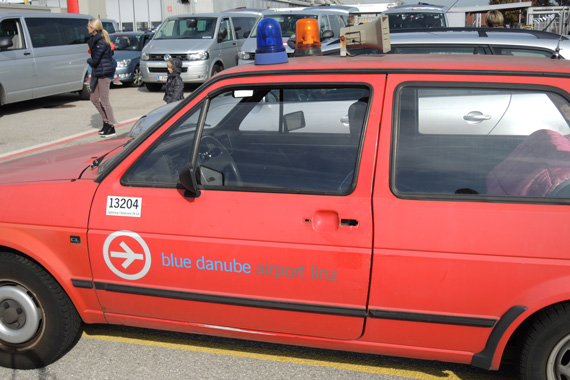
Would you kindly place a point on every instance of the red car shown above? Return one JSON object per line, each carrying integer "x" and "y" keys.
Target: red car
{"x": 371, "y": 234}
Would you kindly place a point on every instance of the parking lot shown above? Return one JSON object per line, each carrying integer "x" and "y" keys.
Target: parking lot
{"x": 64, "y": 119}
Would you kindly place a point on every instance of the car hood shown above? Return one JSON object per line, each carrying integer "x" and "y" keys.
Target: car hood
{"x": 177, "y": 46}
{"x": 56, "y": 165}
{"x": 119, "y": 55}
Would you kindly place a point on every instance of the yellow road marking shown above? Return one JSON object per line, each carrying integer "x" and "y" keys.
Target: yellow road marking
{"x": 106, "y": 333}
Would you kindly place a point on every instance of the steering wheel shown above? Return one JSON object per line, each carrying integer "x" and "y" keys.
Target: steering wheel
{"x": 214, "y": 155}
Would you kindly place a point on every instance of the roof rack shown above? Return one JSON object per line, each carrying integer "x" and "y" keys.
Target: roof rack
{"x": 484, "y": 32}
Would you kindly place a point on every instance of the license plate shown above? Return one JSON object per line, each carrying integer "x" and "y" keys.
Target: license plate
{"x": 162, "y": 78}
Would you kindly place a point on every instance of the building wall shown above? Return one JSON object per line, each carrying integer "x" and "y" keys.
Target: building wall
{"x": 145, "y": 14}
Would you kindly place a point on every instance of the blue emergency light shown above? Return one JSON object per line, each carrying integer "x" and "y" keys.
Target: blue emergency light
{"x": 270, "y": 49}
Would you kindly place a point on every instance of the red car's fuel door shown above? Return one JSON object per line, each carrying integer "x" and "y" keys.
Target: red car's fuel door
{"x": 278, "y": 237}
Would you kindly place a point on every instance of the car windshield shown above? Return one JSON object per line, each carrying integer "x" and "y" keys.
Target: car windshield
{"x": 187, "y": 28}
{"x": 288, "y": 23}
{"x": 124, "y": 42}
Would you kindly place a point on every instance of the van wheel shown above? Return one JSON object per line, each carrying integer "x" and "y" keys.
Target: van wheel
{"x": 85, "y": 92}
{"x": 153, "y": 87}
{"x": 137, "y": 77}
{"x": 38, "y": 322}
{"x": 546, "y": 352}
{"x": 217, "y": 69}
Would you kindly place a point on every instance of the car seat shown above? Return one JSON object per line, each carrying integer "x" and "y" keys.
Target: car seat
{"x": 538, "y": 167}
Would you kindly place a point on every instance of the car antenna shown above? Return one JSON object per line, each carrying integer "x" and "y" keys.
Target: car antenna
{"x": 556, "y": 54}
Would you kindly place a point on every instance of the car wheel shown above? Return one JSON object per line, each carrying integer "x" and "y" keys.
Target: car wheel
{"x": 38, "y": 322}
{"x": 85, "y": 92}
{"x": 153, "y": 87}
{"x": 137, "y": 77}
{"x": 217, "y": 69}
{"x": 546, "y": 352}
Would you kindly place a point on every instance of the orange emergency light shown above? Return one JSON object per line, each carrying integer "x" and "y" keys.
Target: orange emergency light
{"x": 308, "y": 37}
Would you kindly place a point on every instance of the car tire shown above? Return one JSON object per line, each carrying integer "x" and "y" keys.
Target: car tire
{"x": 217, "y": 69}
{"x": 545, "y": 353}
{"x": 153, "y": 87}
{"x": 38, "y": 322}
{"x": 85, "y": 93}
{"x": 137, "y": 77}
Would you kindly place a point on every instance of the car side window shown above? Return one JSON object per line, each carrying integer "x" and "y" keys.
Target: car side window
{"x": 243, "y": 26}
{"x": 226, "y": 33}
{"x": 481, "y": 141}
{"x": 438, "y": 49}
{"x": 13, "y": 28}
{"x": 301, "y": 139}
{"x": 523, "y": 52}
{"x": 325, "y": 24}
{"x": 44, "y": 32}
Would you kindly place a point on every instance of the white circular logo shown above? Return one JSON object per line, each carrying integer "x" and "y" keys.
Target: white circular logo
{"x": 126, "y": 255}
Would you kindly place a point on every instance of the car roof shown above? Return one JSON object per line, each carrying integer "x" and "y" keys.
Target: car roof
{"x": 308, "y": 11}
{"x": 129, "y": 33}
{"x": 479, "y": 36}
{"x": 415, "y": 8}
{"x": 469, "y": 32}
{"x": 236, "y": 13}
{"x": 44, "y": 15}
{"x": 407, "y": 63}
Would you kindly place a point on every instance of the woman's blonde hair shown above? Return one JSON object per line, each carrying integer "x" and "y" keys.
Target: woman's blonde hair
{"x": 96, "y": 24}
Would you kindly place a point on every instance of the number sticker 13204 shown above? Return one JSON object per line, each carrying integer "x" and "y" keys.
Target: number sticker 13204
{"x": 124, "y": 206}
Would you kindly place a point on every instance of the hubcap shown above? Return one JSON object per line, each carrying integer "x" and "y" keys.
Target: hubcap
{"x": 137, "y": 77}
{"x": 20, "y": 318}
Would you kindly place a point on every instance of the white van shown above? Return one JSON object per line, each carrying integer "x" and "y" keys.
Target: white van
{"x": 206, "y": 43}
{"x": 42, "y": 54}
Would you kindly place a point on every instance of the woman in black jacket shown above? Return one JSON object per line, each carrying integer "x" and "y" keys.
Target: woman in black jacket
{"x": 103, "y": 67}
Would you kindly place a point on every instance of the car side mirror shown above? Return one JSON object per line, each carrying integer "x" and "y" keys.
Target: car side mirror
{"x": 188, "y": 179}
{"x": 292, "y": 42}
{"x": 6, "y": 42}
{"x": 293, "y": 121}
{"x": 327, "y": 34}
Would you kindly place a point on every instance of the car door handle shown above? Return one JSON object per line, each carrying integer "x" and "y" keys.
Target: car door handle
{"x": 476, "y": 116}
{"x": 27, "y": 53}
{"x": 324, "y": 220}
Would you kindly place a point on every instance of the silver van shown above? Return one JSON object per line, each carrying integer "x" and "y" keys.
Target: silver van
{"x": 42, "y": 54}
{"x": 206, "y": 43}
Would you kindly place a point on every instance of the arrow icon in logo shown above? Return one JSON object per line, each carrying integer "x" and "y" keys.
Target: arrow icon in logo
{"x": 128, "y": 255}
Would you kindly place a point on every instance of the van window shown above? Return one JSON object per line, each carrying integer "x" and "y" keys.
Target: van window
{"x": 475, "y": 141}
{"x": 301, "y": 139}
{"x": 13, "y": 28}
{"x": 187, "y": 28}
{"x": 49, "y": 31}
{"x": 243, "y": 26}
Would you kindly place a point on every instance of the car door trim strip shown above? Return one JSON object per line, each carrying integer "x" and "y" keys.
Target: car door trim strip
{"x": 433, "y": 318}
{"x": 237, "y": 301}
{"x": 294, "y": 306}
